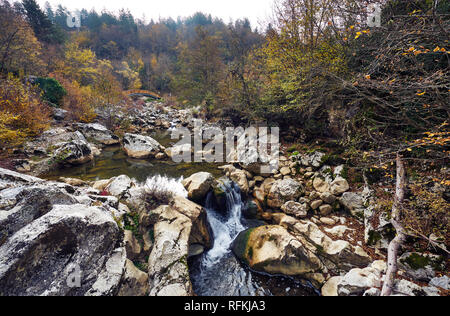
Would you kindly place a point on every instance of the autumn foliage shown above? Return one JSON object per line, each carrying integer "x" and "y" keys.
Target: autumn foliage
{"x": 22, "y": 114}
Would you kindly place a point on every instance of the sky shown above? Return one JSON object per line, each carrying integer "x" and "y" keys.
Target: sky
{"x": 257, "y": 11}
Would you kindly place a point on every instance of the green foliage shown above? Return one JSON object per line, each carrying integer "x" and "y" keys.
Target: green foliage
{"x": 53, "y": 91}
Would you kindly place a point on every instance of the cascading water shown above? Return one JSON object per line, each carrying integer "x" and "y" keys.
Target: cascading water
{"x": 218, "y": 273}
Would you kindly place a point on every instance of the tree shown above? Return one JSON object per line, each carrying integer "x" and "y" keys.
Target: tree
{"x": 19, "y": 49}
{"x": 43, "y": 27}
{"x": 22, "y": 114}
{"x": 79, "y": 64}
{"x": 201, "y": 68}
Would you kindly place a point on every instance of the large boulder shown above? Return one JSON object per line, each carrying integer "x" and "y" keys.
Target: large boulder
{"x": 47, "y": 256}
{"x": 51, "y": 139}
{"x": 198, "y": 185}
{"x": 22, "y": 205}
{"x": 173, "y": 230}
{"x": 56, "y": 239}
{"x": 273, "y": 250}
{"x": 76, "y": 152}
{"x": 283, "y": 191}
{"x": 141, "y": 147}
{"x": 98, "y": 133}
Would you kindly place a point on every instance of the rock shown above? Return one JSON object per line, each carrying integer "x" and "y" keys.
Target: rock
{"x": 250, "y": 162}
{"x": 336, "y": 256}
{"x": 313, "y": 160}
{"x": 168, "y": 270}
{"x": 338, "y": 231}
{"x": 273, "y": 250}
{"x": 339, "y": 186}
{"x": 73, "y": 182}
{"x": 59, "y": 114}
{"x": 421, "y": 267}
{"x": 354, "y": 203}
{"x": 327, "y": 221}
{"x": 98, "y": 133}
{"x": 40, "y": 258}
{"x": 358, "y": 281}
{"x": 132, "y": 246}
{"x": 295, "y": 209}
{"x": 320, "y": 185}
{"x": 119, "y": 186}
{"x": 108, "y": 281}
{"x": 339, "y": 171}
{"x": 24, "y": 204}
{"x": 283, "y": 191}
{"x": 316, "y": 204}
{"x": 135, "y": 282}
{"x": 442, "y": 282}
{"x": 285, "y": 171}
{"x": 406, "y": 288}
{"x": 372, "y": 292}
{"x": 379, "y": 265}
{"x": 101, "y": 184}
{"x": 325, "y": 210}
{"x": 198, "y": 185}
{"x": 51, "y": 140}
{"x": 240, "y": 178}
{"x": 330, "y": 287}
{"x": 328, "y": 198}
{"x": 141, "y": 147}
{"x": 76, "y": 152}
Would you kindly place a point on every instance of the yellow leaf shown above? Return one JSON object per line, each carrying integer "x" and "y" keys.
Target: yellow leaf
{"x": 421, "y": 93}
{"x": 368, "y": 77}
{"x": 437, "y": 49}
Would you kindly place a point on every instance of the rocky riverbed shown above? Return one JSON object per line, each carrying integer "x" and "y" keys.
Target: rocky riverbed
{"x": 125, "y": 236}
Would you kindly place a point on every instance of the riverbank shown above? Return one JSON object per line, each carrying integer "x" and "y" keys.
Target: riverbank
{"x": 311, "y": 224}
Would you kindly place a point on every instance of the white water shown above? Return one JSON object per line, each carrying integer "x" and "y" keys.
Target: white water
{"x": 224, "y": 230}
{"x": 218, "y": 272}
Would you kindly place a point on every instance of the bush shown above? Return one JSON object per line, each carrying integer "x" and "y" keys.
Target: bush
{"x": 22, "y": 114}
{"x": 78, "y": 102}
{"x": 53, "y": 91}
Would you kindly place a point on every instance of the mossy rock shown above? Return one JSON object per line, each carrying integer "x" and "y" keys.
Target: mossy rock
{"x": 240, "y": 244}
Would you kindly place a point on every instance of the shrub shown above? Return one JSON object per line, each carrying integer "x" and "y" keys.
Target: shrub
{"x": 22, "y": 114}
{"x": 53, "y": 91}
{"x": 78, "y": 102}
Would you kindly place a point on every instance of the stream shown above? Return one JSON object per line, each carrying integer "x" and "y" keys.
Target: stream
{"x": 217, "y": 272}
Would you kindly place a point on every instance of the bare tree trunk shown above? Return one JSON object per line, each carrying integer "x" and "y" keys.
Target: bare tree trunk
{"x": 400, "y": 238}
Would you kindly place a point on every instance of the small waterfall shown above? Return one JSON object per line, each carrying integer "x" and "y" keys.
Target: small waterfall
{"x": 218, "y": 272}
{"x": 225, "y": 230}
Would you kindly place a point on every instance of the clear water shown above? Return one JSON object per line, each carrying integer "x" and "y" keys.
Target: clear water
{"x": 114, "y": 162}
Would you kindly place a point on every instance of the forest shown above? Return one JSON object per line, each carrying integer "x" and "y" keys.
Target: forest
{"x": 374, "y": 98}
